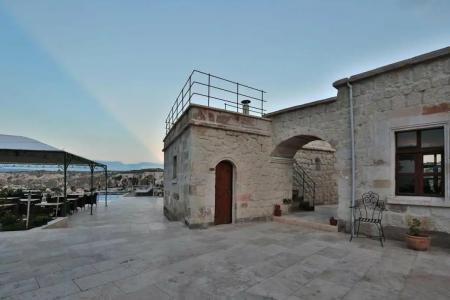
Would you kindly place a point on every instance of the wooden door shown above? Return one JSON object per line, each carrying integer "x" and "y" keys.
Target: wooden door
{"x": 224, "y": 192}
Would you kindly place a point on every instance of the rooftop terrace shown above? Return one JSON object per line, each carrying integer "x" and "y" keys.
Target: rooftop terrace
{"x": 214, "y": 91}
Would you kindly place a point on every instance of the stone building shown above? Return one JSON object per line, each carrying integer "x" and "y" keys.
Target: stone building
{"x": 317, "y": 159}
{"x": 400, "y": 115}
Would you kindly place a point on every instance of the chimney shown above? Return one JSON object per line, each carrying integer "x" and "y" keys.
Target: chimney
{"x": 245, "y": 107}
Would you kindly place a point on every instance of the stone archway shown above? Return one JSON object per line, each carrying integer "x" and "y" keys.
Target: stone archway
{"x": 310, "y": 185}
{"x": 288, "y": 147}
{"x": 318, "y": 159}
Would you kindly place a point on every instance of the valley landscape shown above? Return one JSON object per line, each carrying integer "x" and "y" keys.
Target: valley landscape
{"x": 54, "y": 180}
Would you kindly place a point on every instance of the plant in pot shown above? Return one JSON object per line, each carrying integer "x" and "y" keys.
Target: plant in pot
{"x": 417, "y": 237}
{"x": 287, "y": 205}
{"x": 287, "y": 201}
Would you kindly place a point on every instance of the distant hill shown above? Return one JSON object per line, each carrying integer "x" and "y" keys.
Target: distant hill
{"x": 112, "y": 166}
{"x": 120, "y": 166}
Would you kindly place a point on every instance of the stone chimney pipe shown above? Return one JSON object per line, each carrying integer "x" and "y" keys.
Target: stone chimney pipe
{"x": 245, "y": 107}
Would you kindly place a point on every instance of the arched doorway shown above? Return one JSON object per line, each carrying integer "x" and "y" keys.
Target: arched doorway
{"x": 314, "y": 176}
{"x": 224, "y": 193}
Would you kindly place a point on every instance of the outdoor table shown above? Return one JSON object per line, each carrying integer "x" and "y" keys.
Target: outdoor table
{"x": 31, "y": 200}
{"x": 28, "y": 201}
{"x": 49, "y": 204}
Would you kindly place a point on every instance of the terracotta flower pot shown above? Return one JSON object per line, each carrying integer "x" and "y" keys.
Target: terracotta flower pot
{"x": 333, "y": 221}
{"x": 418, "y": 242}
{"x": 277, "y": 210}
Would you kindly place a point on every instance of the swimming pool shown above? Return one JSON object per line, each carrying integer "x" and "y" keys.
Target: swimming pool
{"x": 111, "y": 197}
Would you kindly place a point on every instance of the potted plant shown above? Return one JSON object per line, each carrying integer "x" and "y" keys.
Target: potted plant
{"x": 286, "y": 205}
{"x": 287, "y": 201}
{"x": 417, "y": 238}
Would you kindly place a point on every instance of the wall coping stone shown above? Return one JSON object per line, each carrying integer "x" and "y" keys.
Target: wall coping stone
{"x": 194, "y": 105}
{"x": 192, "y": 122}
{"x": 228, "y": 128}
{"x": 394, "y": 66}
{"x": 60, "y": 222}
{"x": 301, "y": 106}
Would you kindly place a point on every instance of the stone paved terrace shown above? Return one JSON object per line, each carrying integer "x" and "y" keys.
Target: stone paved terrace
{"x": 129, "y": 251}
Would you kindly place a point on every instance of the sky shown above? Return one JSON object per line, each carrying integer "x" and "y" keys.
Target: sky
{"x": 98, "y": 77}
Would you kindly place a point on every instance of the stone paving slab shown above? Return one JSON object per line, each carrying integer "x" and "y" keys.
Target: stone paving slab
{"x": 130, "y": 251}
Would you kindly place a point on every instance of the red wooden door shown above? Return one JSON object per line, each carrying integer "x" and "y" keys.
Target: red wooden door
{"x": 224, "y": 188}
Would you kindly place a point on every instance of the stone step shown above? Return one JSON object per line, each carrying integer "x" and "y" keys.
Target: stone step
{"x": 293, "y": 220}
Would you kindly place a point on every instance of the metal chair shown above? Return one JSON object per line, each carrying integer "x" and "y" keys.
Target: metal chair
{"x": 81, "y": 202}
{"x": 369, "y": 209}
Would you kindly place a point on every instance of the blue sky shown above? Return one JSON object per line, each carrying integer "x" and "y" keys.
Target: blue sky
{"x": 98, "y": 77}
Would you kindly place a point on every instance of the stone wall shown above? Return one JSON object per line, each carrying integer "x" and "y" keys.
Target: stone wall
{"x": 319, "y": 165}
{"x": 326, "y": 120}
{"x": 176, "y": 190}
{"x": 410, "y": 94}
{"x": 210, "y": 136}
{"x": 412, "y": 97}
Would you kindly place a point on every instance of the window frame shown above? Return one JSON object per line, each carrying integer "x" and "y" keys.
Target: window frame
{"x": 417, "y": 153}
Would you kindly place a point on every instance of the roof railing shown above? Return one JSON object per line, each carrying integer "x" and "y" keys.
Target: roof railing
{"x": 214, "y": 91}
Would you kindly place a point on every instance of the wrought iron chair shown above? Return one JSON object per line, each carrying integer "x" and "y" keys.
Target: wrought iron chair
{"x": 369, "y": 209}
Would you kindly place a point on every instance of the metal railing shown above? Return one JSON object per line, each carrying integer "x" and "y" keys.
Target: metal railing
{"x": 303, "y": 182}
{"x": 214, "y": 91}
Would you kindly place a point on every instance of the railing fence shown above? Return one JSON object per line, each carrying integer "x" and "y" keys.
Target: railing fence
{"x": 214, "y": 91}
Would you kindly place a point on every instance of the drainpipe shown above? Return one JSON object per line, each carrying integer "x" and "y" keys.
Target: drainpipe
{"x": 352, "y": 137}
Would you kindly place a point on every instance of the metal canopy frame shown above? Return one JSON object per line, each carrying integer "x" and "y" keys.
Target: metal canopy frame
{"x": 22, "y": 150}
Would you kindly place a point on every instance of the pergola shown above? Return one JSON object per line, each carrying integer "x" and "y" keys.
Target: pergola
{"x": 22, "y": 150}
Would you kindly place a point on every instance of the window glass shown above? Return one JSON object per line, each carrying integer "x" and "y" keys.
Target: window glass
{"x": 428, "y": 163}
{"x": 419, "y": 167}
{"x": 440, "y": 187}
{"x": 405, "y": 184}
{"x": 438, "y": 163}
{"x": 407, "y": 139}
{"x": 317, "y": 161}
{"x": 406, "y": 164}
{"x": 433, "y": 138}
{"x": 429, "y": 185}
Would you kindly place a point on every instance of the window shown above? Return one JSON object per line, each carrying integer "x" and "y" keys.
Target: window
{"x": 317, "y": 162}
{"x": 419, "y": 169}
{"x": 175, "y": 168}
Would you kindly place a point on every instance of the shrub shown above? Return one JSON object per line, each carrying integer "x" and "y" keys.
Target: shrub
{"x": 19, "y": 225}
{"x": 40, "y": 220}
{"x": 10, "y": 221}
{"x": 8, "y": 218}
{"x": 418, "y": 226}
{"x": 287, "y": 201}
